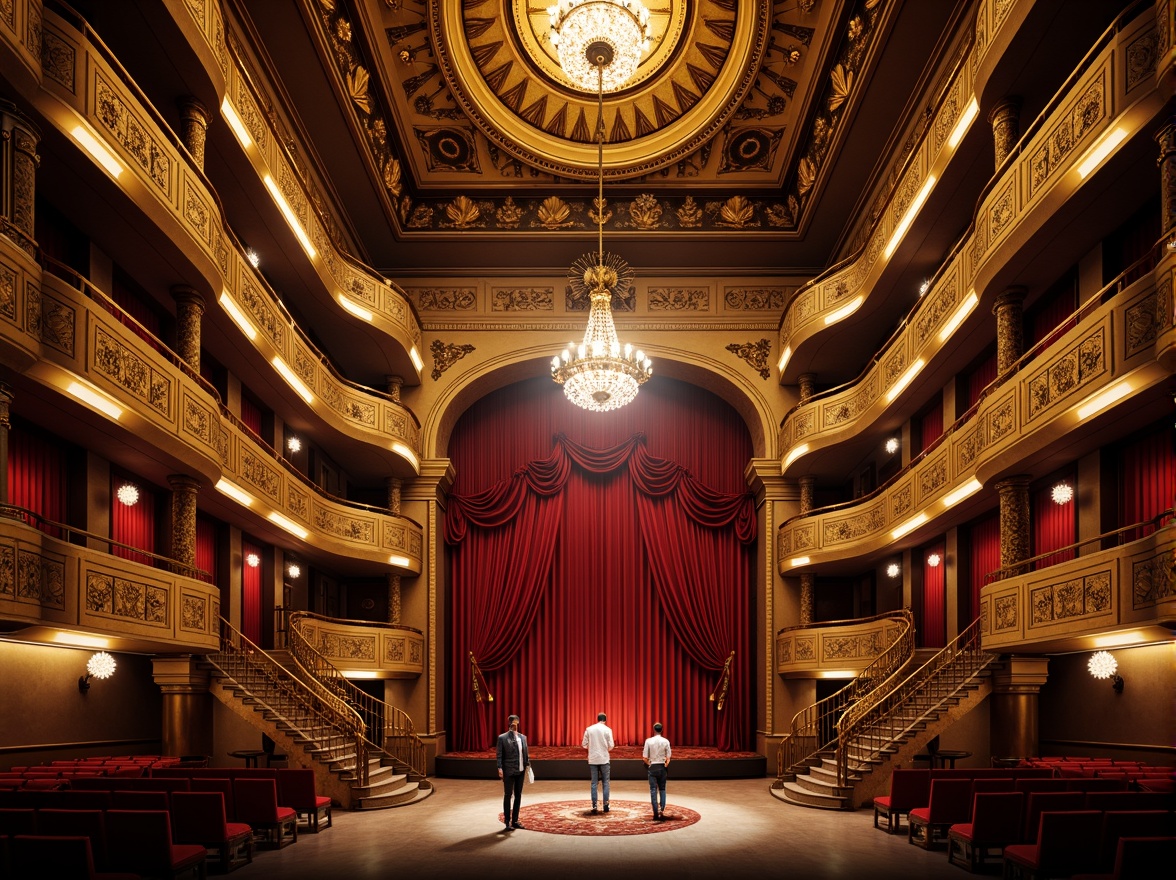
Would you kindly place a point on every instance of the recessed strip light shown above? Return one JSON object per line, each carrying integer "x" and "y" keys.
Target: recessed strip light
{"x": 97, "y": 150}
{"x": 244, "y": 138}
{"x": 1102, "y": 400}
{"x": 909, "y": 217}
{"x": 416, "y": 359}
{"x": 963, "y": 124}
{"x": 288, "y": 524}
{"x": 799, "y": 560}
{"x": 292, "y": 380}
{"x": 793, "y": 456}
{"x": 95, "y": 398}
{"x": 238, "y": 316}
{"x": 355, "y": 308}
{"x": 78, "y": 640}
{"x": 957, "y": 318}
{"x": 1105, "y": 146}
{"x": 406, "y": 453}
{"x": 845, "y": 311}
{"x": 234, "y": 491}
{"x": 969, "y": 488}
{"x": 784, "y": 359}
{"x": 291, "y": 217}
{"x": 909, "y": 526}
{"x": 402, "y": 561}
{"x": 904, "y": 380}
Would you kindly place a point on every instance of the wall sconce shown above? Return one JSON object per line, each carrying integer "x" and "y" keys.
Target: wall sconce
{"x": 294, "y": 570}
{"x": 128, "y": 494}
{"x": 293, "y": 444}
{"x": 1062, "y": 493}
{"x": 253, "y": 257}
{"x": 893, "y": 570}
{"x": 934, "y": 559}
{"x": 100, "y": 665}
{"x": 1103, "y": 665}
{"x": 253, "y": 560}
{"x": 892, "y": 446}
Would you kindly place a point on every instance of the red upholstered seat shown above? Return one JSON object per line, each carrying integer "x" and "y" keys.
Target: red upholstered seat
{"x": 257, "y": 805}
{"x": 996, "y": 823}
{"x": 139, "y": 800}
{"x": 78, "y": 823}
{"x": 141, "y": 841}
{"x": 1037, "y": 802}
{"x": 41, "y": 856}
{"x": 1067, "y": 842}
{"x": 225, "y": 786}
{"x": 950, "y": 804}
{"x": 296, "y": 789}
{"x": 1118, "y": 824}
{"x": 199, "y": 817}
{"x": 1137, "y": 858}
{"x": 909, "y": 788}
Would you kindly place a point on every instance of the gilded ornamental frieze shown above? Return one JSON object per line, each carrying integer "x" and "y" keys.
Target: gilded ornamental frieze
{"x": 839, "y": 648}
{"x": 377, "y": 650}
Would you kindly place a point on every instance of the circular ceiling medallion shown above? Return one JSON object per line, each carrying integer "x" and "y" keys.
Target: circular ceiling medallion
{"x": 498, "y": 61}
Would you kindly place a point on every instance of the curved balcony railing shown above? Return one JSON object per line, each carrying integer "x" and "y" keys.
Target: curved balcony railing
{"x": 1111, "y": 339}
{"x": 814, "y": 727}
{"x": 53, "y": 574}
{"x": 839, "y": 648}
{"x": 373, "y": 648}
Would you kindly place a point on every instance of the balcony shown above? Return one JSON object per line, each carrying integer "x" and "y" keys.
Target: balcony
{"x": 364, "y": 649}
{"x": 838, "y": 649}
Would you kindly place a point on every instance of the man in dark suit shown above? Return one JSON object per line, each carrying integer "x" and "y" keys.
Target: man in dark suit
{"x": 513, "y": 761}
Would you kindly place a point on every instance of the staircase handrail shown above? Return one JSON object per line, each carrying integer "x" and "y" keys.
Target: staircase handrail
{"x": 803, "y": 739}
{"x": 290, "y": 696}
{"x": 939, "y": 677}
{"x": 398, "y": 738}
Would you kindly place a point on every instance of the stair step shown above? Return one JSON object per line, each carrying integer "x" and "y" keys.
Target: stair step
{"x": 791, "y": 792}
{"x": 409, "y": 793}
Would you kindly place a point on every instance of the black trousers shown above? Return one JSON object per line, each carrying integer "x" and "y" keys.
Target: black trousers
{"x": 512, "y": 785}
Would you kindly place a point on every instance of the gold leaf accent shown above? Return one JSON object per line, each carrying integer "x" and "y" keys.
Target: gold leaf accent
{"x": 737, "y": 211}
{"x": 462, "y": 212}
{"x": 392, "y": 177}
{"x": 806, "y": 175}
{"x": 645, "y": 211}
{"x": 842, "y": 81}
{"x": 357, "y": 88}
{"x": 554, "y": 213}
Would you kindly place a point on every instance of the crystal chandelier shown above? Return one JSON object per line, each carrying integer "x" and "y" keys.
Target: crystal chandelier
{"x": 598, "y": 374}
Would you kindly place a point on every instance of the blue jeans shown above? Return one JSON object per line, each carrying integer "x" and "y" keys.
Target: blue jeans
{"x": 601, "y": 772}
{"x": 657, "y": 786}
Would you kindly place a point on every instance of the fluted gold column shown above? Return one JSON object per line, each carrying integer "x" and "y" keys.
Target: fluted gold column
{"x": 1014, "y": 521}
{"x": 1013, "y": 724}
{"x": 1166, "y": 138}
{"x": 194, "y": 129}
{"x": 183, "y": 511}
{"x": 808, "y": 581}
{"x": 187, "y": 704}
{"x": 1005, "y": 119}
{"x": 5, "y": 426}
{"x": 189, "y": 311}
{"x": 18, "y": 167}
{"x": 1010, "y": 333}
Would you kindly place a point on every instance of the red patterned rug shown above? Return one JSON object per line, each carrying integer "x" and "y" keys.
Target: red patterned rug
{"x": 551, "y": 753}
{"x": 623, "y": 817}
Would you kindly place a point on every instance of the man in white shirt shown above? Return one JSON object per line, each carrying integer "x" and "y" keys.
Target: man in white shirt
{"x": 656, "y": 755}
{"x": 598, "y": 740}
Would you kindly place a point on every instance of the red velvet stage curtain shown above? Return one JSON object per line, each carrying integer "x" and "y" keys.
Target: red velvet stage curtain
{"x": 132, "y": 524}
{"x": 984, "y": 550}
{"x": 250, "y": 591}
{"x": 37, "y": 474}
{"x": 932, "y": 610}
{"x": 1147, "y": 479}
{"x": 1054, "y": 525}
{"x": 206, "y": 547}
{"x": 635, "y": 579}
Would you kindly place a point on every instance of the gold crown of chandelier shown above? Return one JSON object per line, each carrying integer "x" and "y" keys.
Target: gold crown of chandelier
{"x": 600, "y": 41}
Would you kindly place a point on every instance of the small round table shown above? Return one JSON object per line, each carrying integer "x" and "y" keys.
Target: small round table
{"x": 948, "y": 757}
{"x": 249, "y": 756}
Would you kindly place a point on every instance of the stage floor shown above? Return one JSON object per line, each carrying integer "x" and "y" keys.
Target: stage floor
{"x": 571, "y": 762}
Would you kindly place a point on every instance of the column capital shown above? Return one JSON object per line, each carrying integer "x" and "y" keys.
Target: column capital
{"x": 1010, "y": 105}
{"x": 1012, "y": 296}
{"x": 435, "y": 481}
{"x": 188, "y": 296}
{"x": 1013, "y": 483}
{"x": 179, "y": 673}
{"x": 1021, "y": 675}
{"x": 763, "y": 477}
{"x": 180, "y": 482}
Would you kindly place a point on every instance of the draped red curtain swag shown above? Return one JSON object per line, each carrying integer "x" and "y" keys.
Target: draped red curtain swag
{"x": 693, "y": 557}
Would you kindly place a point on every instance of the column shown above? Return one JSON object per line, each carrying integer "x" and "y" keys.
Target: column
{"x": 183, "y": 518}
{"x": 194, "y": 129}
{"x": 5, "y": 425}
{"x": 395, "y": 486}
{"x": 1014, "y": 522}
{"x": 187, "y": 704}
{"x": 1005, "y": 120}
{"x": 1013, "y": 723}
{"x": 394, "y": 599}
{"x": 808, "y": 384}
{"x": 808, "y": 581}
{"x": 18, "y": 167}
{"x": 394, "y": 384}
{"x": 1166, "y": 138}
{"x": 1010, "y": 333}
{"x": 189, "y": 311}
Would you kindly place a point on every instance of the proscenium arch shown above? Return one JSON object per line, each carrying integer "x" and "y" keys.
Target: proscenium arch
{"x": 726, "y": 381}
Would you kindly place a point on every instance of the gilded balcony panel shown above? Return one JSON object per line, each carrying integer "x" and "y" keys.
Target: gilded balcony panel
{"x": 335, "y": 527}
{"x": 833, "y": 650}
{"x": 21, "y": 41}
{"x": 367, "y": 649}
{"x": 340, "y": 274}
{"x": 20, "y": 306}
{"x": 997, "y": 23}
{"x": 1127, "y": 590}
{"x": 203, "y": 23}
{"x": 53, "y": 584}
{"x": 1165, "y": 312}
{"x": 1113, "y": 343}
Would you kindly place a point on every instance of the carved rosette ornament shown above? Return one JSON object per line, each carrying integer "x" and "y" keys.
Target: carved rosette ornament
{"x": 1014, "y": 521}
{"x": 445, "y": 355}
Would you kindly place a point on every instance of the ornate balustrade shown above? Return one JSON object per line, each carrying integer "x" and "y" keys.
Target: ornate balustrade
{"x": 1113, "y": 342}
{"x": 48, "y": 581}
{"x": 1131, "y": 587}
{"x": 362, "y": 647}
{"x": 203, "y": 22}
{"x": 838, "y": 648}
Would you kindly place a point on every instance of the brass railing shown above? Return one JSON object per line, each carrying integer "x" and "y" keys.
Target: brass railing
{"x": 814, "y": 727}
{"x": 335, "y": 727}
{"x": 389, "y": 730}
{"x": 881, "y": 717}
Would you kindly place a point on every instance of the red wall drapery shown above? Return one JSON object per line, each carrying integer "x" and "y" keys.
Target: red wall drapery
{"x": 1054, "y": 525}
{"x": 932, "y": 629}
{"x": 206, "y": 556}
{"x": 133, "y": 524}
{"x": 37, "y": 475}
{"x": 250, "y": 591}
{"x": 1147, "y": 479}
{"x": 984, "y": 550}
{"x": 930, "y": 425}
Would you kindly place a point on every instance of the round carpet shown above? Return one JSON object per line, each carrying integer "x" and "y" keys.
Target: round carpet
{"x": 623, "y": 817}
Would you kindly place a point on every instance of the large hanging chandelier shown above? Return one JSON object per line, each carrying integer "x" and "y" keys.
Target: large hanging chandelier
{"x": 598, "y": 374}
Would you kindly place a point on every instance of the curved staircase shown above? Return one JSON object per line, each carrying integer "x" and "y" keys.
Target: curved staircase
{"x": 313, "y": 716}
{"x": 840, "y": 751}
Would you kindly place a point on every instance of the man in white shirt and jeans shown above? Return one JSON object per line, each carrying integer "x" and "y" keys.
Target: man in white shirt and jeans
{"x": 598, "y": 740}
{"x": 656, "y": 755}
